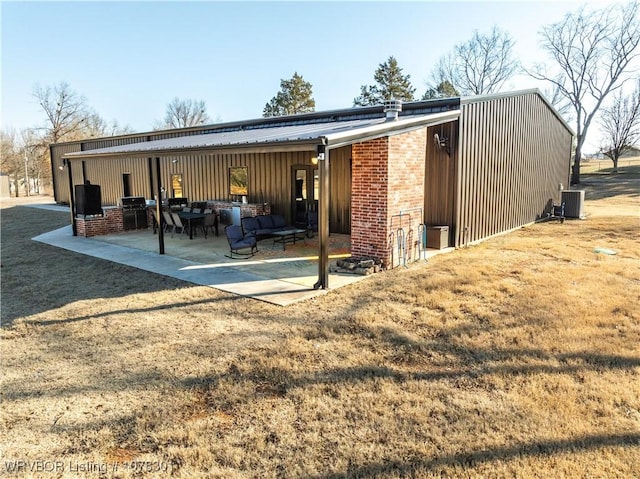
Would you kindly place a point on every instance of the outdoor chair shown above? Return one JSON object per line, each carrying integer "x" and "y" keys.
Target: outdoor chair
{"x": 239, "y": 241}
{"x": 168, "y": 221}
{"x": 210, "y": 222}
{"x": 177, "y": 224}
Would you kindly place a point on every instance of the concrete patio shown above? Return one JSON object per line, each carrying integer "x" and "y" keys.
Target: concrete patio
{"x": 275, "y": 275}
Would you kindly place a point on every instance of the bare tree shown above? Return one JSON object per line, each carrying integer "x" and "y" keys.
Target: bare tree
{"x": 66, "y": 112}
{"x": 184, "y": 113}
{"x": 593, "y": 51}
{"x": 481, "y": 65}
{"x": 35, "y": 153}
{"x": 620, "y": 124}
{"x": 10, "y": 159}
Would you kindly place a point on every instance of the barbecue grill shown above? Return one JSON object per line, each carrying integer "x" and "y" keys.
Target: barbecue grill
{"x": 134, "y": 212}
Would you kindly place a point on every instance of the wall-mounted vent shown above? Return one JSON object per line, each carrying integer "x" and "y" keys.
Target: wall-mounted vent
{"x": 573, "y": 203}
{"x": 392, "y": 108}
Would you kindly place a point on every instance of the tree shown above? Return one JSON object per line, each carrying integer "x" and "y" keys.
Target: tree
{"x": 444, "y": 90}
{"x": 183, "y": 114}
{"x": 11, "y": 162}
{"x": 593, "y": 52}
{"x": 620, "y": 124}
{"x": 558, "y": 101}
{"x": 391, "y": 84}
{"x": 295, "y": 96}
{"x": 36, "y": 160}
{"x": 481, "y": 65}
{"x": 66, "y": 111}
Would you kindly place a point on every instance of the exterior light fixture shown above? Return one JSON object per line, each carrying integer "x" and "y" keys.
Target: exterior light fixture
{"x": 314, "y": 160}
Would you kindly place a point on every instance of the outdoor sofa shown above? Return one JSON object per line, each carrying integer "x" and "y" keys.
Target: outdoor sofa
{"x": 264, "y": 226}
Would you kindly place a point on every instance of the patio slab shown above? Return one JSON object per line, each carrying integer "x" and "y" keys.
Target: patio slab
{"x": 275, "y": 275}
{"x": 270, "y": 276}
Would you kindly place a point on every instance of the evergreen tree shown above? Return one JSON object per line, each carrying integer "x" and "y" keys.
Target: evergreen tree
{"x": 295, "y": 96}
{"x": 391, "y": 84}
{"x": 444, "y": 90}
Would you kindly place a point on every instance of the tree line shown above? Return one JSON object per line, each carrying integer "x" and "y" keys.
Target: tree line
{"x": 591, "y": 53}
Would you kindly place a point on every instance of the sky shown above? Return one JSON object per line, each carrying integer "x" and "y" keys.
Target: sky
{"x": 130, "y": 59}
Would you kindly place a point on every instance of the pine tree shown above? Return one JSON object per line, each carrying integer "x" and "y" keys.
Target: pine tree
{"x": 391, "y": 84}
{"x": 444, "y": 90}
{"x": 295, "y": 96}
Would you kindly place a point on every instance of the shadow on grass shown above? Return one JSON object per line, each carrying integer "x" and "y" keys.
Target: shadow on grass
{"x": 599, "y": 186}
{"x": 37, "y": 278}
{"x": 411, "y": 467}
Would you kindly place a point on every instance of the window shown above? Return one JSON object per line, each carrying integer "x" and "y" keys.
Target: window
{"x": 238, "y": 180}
{"x": 176, "y": 186}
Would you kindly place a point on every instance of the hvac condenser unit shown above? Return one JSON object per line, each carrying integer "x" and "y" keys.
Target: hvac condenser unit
{"x": 573, "y": 203}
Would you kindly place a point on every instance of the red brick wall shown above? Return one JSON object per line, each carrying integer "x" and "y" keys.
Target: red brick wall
{"x": 387, "y": 179}
{"x": 369, "y": 191}
{"x": 111, "y": 222}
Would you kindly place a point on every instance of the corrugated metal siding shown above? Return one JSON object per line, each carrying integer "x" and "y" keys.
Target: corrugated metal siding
{"x": 206, "y": 177}
{"x": 60, "y": 177}
{"x": 440, "y": 178}
{"x": 514, "y": 153}
{"x": 340, "y": 190}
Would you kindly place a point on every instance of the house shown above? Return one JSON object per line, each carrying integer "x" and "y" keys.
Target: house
{"x": 474, "y": 166}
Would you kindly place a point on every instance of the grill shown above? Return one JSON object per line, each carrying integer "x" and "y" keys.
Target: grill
{"x": 134, "y": 212}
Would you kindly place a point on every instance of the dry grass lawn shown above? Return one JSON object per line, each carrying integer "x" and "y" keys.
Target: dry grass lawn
{"x": 515, "y": 358}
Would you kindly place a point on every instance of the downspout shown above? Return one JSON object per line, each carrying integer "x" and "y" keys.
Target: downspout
{"x": 323, "y": 217}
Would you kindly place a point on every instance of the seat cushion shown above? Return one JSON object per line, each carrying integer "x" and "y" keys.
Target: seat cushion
{"x": 250, "y": 224}
{"x": 266, "y": 222}
{"x": 278, "y": 221}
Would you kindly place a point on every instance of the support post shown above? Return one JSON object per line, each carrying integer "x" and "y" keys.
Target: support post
{"x": 323, "y": 219}
{"x": 159, "y": 208}
{"x": 72, "y": 204}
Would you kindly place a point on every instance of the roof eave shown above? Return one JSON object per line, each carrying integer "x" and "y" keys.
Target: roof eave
{"x": 257, "y": 147}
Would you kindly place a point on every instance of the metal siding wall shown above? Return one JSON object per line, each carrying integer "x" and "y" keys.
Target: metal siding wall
{"x": 206, "y": 177}
{"x": 60, "y": 176}
{"x": 340, "y": 191}
{"x": 514, "y": 153}
{"x": 440, "y": 179}
{"x": 108, "y": 174}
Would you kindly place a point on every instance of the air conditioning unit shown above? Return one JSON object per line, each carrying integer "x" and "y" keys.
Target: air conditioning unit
{"x": 573, "y": 203}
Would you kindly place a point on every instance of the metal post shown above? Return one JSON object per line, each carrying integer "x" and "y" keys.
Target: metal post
{"x": 323, "y": 219}
{"x": 159, "y": 208}
{"x": 72, "y": 205}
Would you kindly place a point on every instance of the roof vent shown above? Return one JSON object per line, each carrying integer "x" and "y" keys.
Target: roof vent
{"x": 392, "y": 108}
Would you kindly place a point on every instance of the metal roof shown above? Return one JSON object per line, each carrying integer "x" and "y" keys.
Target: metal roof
{"x": 330, "y": 133}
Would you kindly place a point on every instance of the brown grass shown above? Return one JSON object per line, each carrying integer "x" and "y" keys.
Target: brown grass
{"x": 518, "y": 357}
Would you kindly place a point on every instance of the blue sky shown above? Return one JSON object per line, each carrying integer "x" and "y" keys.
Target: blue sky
{"x": 129, "y": 59}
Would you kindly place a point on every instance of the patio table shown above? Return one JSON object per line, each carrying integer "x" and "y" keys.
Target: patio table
{"x": 192, "y": 220}
{"x": 289, "y": 236}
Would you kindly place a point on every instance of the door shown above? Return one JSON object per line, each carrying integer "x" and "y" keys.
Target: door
{"x": 126, "y": 184}
{"x": 304, "y": 193}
